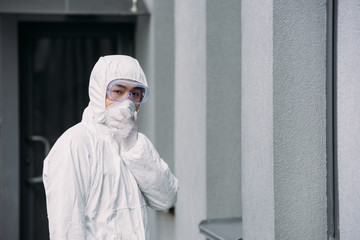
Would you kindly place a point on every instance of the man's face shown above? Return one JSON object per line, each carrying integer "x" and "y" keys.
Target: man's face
{"x": 121, "y": 91}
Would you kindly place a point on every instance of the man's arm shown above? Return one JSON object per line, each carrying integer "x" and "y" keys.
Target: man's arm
{"x": 152, "y": 174}
{"x": 66, "y": 177}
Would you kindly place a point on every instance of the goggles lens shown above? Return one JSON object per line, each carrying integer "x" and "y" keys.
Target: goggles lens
{"x": 120, "y": 90}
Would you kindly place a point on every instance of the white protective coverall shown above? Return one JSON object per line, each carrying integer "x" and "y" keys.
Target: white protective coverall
{"x": 94, "y": 189}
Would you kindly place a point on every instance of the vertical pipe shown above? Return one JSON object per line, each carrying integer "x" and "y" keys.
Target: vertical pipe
{"x": 335, "y": 137}
{"x": 330, "y": 121}
{"x": 332, "y": 189}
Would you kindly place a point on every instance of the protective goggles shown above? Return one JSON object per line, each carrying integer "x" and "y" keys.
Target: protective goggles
{"x": 122, "y": 89}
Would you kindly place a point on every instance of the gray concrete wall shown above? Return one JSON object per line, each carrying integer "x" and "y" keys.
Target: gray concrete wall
{"x": 223, "y": 138}
{"x": 164, "y": 65}
{"x": 207, "y": 112}
{"x": 348, "y": 116}
{"x": 190, "y": 116}
{"x": 284, "y": 120}
{"x": 299, "y": 116}
{"x": 257, "y": 120}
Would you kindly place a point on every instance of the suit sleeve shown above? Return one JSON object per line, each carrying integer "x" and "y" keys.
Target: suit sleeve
{"x": 152, "y": 174}
{"x": 66, "y": 176}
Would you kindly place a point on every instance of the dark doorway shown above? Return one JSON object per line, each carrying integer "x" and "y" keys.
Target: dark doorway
{"x": 55, "y": 64}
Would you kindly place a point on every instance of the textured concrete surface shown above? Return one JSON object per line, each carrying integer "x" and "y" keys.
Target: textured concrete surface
{"x": 284, "y": 120}
{"x": 300, "y": 119}
{"x": 223, "y": 108}
{"x": 348, "y": 75}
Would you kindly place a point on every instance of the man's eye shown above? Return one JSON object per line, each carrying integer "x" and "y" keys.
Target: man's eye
{"x": 135, "y": 94}
{"x": 118, "y": 91}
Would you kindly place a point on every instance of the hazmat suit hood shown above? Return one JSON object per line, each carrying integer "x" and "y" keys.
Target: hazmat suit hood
{"x": 106, "y": 69}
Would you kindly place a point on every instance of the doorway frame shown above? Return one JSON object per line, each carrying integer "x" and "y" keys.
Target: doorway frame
{"x": 9, "y": 132}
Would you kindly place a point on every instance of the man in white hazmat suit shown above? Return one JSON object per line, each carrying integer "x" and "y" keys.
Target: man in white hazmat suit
{"x": 101, "y": 174}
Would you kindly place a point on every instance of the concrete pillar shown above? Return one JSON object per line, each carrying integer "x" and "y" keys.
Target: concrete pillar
{"x": 299, "y": 118}
{"x": 207, "y": 112}
{"x": 284, "y": 119}
{"x": 257, "y": 120}
{"x": 223, "y": 108}
{"x": 348, "y": 117}
{"x": 190, "y": 116}
{"x": 155, "y": 51}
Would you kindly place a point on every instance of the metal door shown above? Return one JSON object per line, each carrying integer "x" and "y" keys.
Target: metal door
{"x": 55, "y": 64}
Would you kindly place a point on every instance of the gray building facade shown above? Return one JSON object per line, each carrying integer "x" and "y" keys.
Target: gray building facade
{"x": 253, "y": 106}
